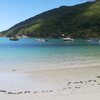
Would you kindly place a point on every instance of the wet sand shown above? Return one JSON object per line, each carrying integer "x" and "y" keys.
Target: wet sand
{"x": 51, "y": 84}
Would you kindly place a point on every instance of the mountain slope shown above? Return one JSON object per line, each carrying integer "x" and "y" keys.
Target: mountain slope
{"x": 80, "y": 21}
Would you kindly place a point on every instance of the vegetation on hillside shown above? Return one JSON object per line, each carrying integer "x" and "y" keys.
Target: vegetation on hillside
{"x": 79, "y": 21}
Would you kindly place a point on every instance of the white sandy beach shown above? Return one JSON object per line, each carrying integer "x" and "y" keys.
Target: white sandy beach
{"x": 52, "y": 84}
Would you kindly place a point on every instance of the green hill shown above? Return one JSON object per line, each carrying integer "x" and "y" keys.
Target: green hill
{"x": 79, "y": 21}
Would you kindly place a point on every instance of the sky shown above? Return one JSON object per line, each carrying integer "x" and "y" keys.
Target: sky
{"x": 15, "y": 11}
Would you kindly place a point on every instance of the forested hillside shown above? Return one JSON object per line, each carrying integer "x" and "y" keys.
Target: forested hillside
{"x": 79, "y": 21}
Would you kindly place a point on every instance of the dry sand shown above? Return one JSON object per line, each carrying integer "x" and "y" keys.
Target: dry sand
{"x": 51, "y": 84}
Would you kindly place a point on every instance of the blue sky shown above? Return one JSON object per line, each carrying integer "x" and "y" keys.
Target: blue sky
{"x": 15, "y": 11}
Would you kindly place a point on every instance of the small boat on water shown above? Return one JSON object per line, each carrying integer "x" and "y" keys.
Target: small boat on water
{"x": 24, "y": 36}
{"x": 93, "y": 40}
{"x": 42, "y": 40}
{"x": 67, "y": 39}
{"x": 14, "y": 39}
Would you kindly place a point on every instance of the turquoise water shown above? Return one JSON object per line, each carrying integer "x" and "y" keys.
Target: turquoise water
{"x": 29, "y": 53}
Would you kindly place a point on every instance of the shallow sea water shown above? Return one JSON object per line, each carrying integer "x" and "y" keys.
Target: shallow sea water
{"x": 28, "y": 53}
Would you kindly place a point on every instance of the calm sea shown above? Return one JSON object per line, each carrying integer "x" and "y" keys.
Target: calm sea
{"x": 56, "y": 53}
